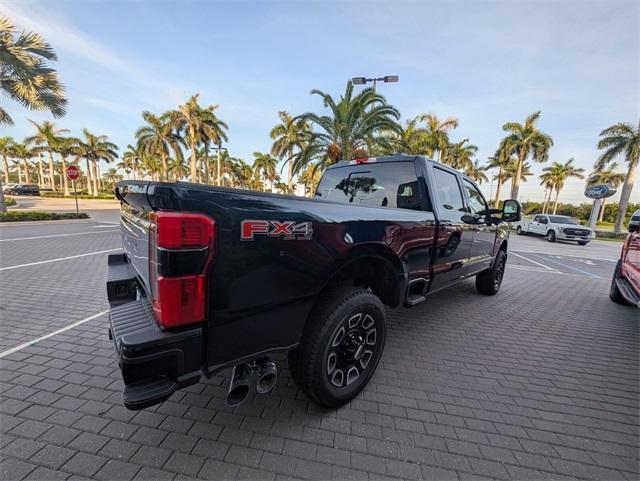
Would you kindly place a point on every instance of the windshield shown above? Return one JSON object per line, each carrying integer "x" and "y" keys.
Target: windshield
{"x": 561, "y": 219}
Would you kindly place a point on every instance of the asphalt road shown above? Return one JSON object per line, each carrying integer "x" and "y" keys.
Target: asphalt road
{"x": 538, "y": 382}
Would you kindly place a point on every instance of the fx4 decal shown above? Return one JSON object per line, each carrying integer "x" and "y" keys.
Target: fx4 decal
{"x": 288, "y": 229}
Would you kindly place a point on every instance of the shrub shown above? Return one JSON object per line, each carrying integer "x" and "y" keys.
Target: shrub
{"x": 81, "y": 195}
{"x": 8, "y": 201}
{"x": 32, "y": 215}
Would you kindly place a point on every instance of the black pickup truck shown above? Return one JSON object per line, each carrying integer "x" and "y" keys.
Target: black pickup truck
{"x": 213, "y": 277}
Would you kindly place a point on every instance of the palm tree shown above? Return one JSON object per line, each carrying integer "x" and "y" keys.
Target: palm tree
{"x": 512, "y": 168}
{"x": 159, "y": 138}
{"x": 95, "y": 148}
{"x": 131, "y": 160}
{"x": 354, "y": 121}
{"x": 112, "y": 177}
{"x": 26, "y": 74}
{"x": 459, "y": 155}
{"x": 621, "y": 139}
{"x": 559, "y": 173}
{"x": 265, "y": 165}
{"x": 21, "y": 153}
{"x": 500, "y": 160}
{"x": 526, "y": 140}
{"x": 289, "y": 138}
{"x": 6, "y": 144}
{"x": 199, "y": 125}
{"x": 437, "y": 136}
{"x": 547, "y": 179}
{"x": 605, "y": 176}
{"x": 66, "y": 146}
{"x": 47, "y": 139}
{"x": 476, "y": 172}
{"x": 310, "y": 177}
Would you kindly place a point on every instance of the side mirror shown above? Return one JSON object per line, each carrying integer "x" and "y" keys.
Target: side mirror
{"x": 511, "y": 211}
{"x": 634, "y": 227}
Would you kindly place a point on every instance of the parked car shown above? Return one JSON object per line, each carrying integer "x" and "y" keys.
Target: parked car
{"x": 21, "y": 189}
{"x": 556, "y": 227}
{"x": 625, "y": 285}
{"x": 213, "y": 277}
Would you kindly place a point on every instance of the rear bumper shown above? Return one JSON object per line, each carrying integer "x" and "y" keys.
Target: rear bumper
{"x": 154, "y": 363}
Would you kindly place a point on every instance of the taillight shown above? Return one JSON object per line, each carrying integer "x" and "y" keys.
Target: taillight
{"x": 181, "y": 247}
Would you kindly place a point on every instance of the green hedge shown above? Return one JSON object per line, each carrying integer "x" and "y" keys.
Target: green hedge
{"x": 30, "y": 215}
{"x": 82, "y": 195}
{"x": 8, "y": 201}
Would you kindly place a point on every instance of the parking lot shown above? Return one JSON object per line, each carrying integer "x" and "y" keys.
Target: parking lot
{"x": 539, "y": 382}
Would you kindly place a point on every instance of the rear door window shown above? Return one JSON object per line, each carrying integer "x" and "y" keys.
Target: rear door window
{"x": 388, "y": 184}
{"x": 448, "y": 192}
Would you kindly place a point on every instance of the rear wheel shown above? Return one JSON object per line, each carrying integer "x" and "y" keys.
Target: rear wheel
{"x": 488, "y": 282}
{"x": 551, "y": 236}
{"x": 341, "y": 346}
{"x": 614, "y": 293}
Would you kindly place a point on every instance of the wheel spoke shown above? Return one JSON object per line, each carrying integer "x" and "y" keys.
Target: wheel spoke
{"x": 367, "y": 322}
{"x": 352, "y": 374}
{"x": 331, "y": 362}
{"x": 338, "y": 378}
{"x": 366, "y": 357}
{"x": 372, "y": 336}
{"x": 354, "y": 320}
{"x": 339, "y": 336}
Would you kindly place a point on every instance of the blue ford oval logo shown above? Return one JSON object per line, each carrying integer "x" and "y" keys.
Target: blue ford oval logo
{"x": 599, "y": 191}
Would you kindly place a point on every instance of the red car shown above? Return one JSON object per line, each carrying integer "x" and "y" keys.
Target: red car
{"x": 625, "y": 285}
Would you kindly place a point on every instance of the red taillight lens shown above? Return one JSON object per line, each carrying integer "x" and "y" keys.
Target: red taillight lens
{"x": 179, "y": 299}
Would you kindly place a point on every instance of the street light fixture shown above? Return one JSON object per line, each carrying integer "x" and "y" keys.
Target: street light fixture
{"x": 385, "y": 79}
{"x": 219, "y": 148}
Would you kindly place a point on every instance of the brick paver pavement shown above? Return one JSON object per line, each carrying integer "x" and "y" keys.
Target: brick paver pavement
{"x": 539, "y": 382}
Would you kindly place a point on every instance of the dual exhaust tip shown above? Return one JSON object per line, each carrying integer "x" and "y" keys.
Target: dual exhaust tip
{"x": 263, "y": 372}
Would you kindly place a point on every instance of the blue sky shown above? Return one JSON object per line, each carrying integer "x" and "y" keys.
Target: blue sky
{"x": 485, "y": 63}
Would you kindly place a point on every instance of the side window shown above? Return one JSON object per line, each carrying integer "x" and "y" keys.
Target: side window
{"x": 544, "y": 219}
{"x": 476, "y": 201}
{"x": 537, "y": 218}
{"x": 448, "y": 193}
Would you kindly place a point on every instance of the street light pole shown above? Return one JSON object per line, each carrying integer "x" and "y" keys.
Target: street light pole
{"x": 375, "y": 80}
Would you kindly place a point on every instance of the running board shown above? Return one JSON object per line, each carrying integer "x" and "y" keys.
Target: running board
{"x": 416, "y": 292}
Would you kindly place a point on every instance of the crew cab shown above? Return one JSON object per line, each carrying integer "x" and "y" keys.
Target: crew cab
{"x": 21, "y": 189}
{"x": 212, "y": 277}
{"x": 556, "y": 227}
{"x": 625, "y": 285}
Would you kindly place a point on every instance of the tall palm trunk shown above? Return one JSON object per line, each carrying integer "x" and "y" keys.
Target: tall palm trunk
{"x": 42, "y": 179}
{"x": 98, "y": 176}
{"x": 194, "y": 166}
{"x": 52, "y": 174}
{"x": 94, "y": 167}
{"x": 625, "y": 194}
{"x": 5, "y": 166}
{"x": 19, "y": 172}
{"x": 64, "y": 177}
{"x": 547, "y": 198}
{"x": 3, "y": 206}
{"x": 515, "y": 188}
{"x": 603, "y": 202}
{"x": 165, "y": 166}
{"x": 496, "y": 202}
{"x": 27, "y": 174}
{"x": 555, "y": 204}
{"x": 89, "y": 189}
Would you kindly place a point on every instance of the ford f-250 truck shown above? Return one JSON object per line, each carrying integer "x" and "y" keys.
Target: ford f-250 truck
{"x": 213, "y": 277}
{"x": 556, "y": 227}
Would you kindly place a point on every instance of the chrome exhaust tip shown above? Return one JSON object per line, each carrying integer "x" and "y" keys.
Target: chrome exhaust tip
{"x": 239, "y": 385}
{"x": 267, "y": 376}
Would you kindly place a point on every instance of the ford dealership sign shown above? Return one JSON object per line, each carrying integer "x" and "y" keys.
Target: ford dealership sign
{"x": 600, "y": 191}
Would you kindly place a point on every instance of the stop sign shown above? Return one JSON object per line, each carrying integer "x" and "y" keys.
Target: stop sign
{"x": 73, "y": 172}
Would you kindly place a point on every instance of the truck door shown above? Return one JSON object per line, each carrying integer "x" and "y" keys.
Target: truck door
{"x": 536, "y": 226}
{"x": 455, "y": 237}
{"x": 484, "y": 233}
{"x": 631, "y": 263}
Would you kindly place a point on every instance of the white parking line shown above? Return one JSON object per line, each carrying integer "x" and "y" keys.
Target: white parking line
{"x": 567, "y": 255}
{"x": 47, "y": 336}
{"x": 56, "y": 260}
{"x": 57, "y": 235}
{"x": 532, "y": 261}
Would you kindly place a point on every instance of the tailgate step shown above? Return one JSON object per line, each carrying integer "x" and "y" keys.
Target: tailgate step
{"x": 121, "y": 280}
{"x": 144, "y": 394}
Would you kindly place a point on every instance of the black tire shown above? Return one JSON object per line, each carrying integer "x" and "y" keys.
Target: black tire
{"x": 519, "y": 230}
{"x": 614, "y": 293}
{"x": 583, "y": 243}
{"x": 551, "y": 236}
{"x": 333, "y": 342}
{"x": 488, "y": 282}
